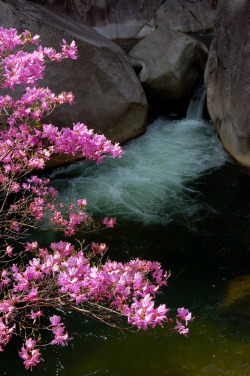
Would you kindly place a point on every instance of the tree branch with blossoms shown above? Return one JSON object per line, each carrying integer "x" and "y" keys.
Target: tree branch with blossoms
{"x": 32, "y": 279}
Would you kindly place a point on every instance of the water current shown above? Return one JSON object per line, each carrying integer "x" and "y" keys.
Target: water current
{"x": 178, "y": 198}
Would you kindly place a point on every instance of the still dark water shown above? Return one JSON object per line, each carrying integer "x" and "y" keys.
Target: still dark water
{"x": 179, "y": 199}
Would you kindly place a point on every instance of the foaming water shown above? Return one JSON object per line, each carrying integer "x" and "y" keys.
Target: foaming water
{"x": 154, "y": 180}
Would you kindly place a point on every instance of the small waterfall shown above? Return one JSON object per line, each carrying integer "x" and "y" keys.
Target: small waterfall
{"x": 196, "y": 105}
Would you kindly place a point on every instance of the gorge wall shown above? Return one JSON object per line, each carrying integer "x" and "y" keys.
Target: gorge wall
{"x": 121, "y": 19}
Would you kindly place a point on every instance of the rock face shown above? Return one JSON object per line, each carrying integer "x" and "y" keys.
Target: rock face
{"x": 122, "y": 19}
{"x": 186, "y": 16}
{"x": 227, "y": 78}
{"x": 108, "y": 95}
{"x": 170, "y": 64}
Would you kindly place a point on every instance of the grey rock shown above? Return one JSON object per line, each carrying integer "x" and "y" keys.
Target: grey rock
{"x": 186, "y": 16}
{"x": 170, "y": 62}
{"x": 227, "y": 78}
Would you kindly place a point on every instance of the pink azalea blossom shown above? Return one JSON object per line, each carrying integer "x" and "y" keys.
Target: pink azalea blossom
{"x": 109, "y": 222}
{"x": 55, "y": 320}
{"x": 9, "y": 250}
{"x": 184, "y": 314}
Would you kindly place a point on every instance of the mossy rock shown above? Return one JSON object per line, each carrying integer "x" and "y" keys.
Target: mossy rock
{"x": 237, "y": 299}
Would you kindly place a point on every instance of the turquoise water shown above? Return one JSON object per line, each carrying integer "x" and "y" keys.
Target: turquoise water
{"x": 178, "y": 198}
{"x": 151, "y": 182}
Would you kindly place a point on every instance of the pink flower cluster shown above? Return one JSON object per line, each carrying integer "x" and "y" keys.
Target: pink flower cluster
{"x": 35, "y": 279}
{"x": 126, "y": 288}
{"x": 27, "y": 68}
{"x": 5, "y": 333}
{"x": 80, "y": 141}
{"x": 10, "y": 39}
{"x": 30, "y": 355}
{"x": 60, "y": 337}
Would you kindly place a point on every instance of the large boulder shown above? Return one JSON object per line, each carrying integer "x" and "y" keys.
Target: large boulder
{"x": 227, "y": 78}
{"x": 119, "y": 19}
{"x": 108, "y": 95}
{"x": 169, "y": 64}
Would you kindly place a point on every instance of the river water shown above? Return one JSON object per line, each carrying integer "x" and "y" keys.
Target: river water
{"x": 179, "y": 199}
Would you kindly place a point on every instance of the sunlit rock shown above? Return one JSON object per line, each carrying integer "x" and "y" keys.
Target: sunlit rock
{"x": 237, "y": 299}
{"x": 169, "y": 63}
{"x": 108, "y": 95}
{"x": 227, "y": 78}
